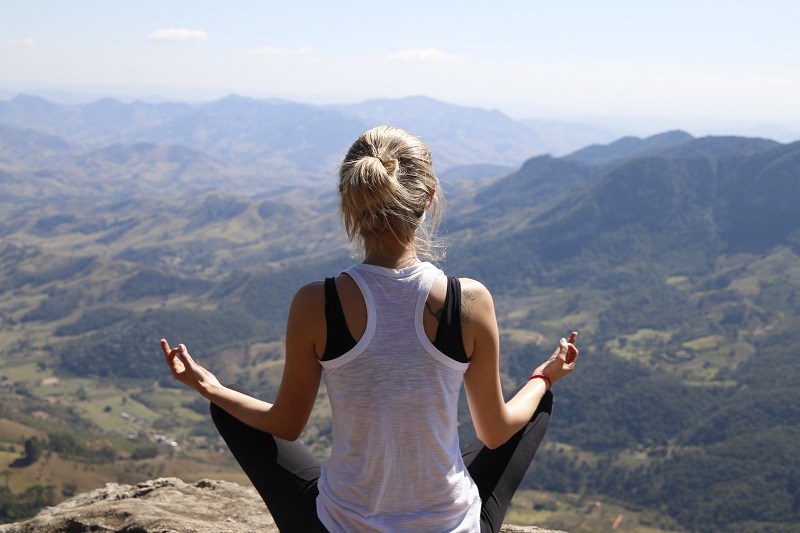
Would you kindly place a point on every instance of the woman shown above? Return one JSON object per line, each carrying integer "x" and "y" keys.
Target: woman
{"x": 395, "y": 339}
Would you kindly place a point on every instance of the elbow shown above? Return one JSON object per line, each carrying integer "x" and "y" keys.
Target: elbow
{"x": 288, "y": 434}
{"x": 491, "y": 440}
{"x": 494, "y": 437}
{"x": 284, "y": 427}
{"x": 493, "y": 444}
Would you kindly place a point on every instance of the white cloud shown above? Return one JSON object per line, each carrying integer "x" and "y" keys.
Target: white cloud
{"x": 23, "y": 43}
{"x": 279, "y": 51}
{"x": 177, "y": 35}
{"x": 431, "y": 55}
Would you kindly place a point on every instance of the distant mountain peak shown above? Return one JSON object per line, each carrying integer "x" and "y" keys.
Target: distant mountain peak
{"x": 233, "y": 97}
{"x": 630, "y": 146}
{"x": 23, "y": 98}
{"x": 672, "y": 135}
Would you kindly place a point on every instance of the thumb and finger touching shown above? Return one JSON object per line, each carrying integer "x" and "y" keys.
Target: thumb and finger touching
{"x": 178, "y": 358}
{"x": 566, "y": 353}
{"x": 185, "y": 369}
{"x": 566, "y": 348}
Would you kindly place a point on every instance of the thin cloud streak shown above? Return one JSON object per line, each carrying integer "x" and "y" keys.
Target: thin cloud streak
{"x": 428, "y": 55}
{"x": 280, "y": 51}
{"x": 177, "y": 35}
{"x": 23, "y": 43}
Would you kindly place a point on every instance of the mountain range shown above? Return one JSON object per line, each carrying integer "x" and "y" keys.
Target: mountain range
{"x": 676, "y": 257}
{"x": 291, "y": 138}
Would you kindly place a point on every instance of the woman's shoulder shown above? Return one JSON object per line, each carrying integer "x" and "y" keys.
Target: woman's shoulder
{"x": 476, "y": 302}
{"x": 310, "y": 296}
{"x": 474, "y": 290}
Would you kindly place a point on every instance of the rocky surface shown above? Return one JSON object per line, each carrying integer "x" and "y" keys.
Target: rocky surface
{"x": 165, "y": 505}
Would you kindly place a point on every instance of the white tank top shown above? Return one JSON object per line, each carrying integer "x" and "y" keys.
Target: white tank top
{"x": 396, "y": 465}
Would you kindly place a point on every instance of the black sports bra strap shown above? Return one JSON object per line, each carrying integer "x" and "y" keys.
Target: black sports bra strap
{"x": 448, "y": 334}
{"x": 339, "y": 340}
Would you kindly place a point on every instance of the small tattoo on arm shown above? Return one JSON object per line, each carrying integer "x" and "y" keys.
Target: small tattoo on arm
{"x": 436, "y": 314}
{"x": 467, "y": 302}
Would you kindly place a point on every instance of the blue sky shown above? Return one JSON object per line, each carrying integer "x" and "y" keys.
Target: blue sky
{"x": 679, "y": 60}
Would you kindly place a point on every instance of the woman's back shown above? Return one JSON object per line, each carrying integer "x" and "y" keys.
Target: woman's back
{"x": 393, "y": 383}
{"x": 396, "y": 463}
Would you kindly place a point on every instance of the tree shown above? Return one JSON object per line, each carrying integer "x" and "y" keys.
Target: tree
{"x": 33, "y": 450}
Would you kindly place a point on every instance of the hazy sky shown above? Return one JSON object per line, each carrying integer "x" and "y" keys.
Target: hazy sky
{"x": 698, "y": 59}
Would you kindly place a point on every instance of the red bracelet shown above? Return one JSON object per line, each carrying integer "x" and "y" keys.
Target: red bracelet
{"x": 542, "y": 376}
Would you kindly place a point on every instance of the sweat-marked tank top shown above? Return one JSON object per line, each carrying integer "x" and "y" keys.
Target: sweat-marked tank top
{"x": 396, "y": 464}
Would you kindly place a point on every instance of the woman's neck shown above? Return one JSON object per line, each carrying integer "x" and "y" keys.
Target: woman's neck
{"x": 388, "y": 252}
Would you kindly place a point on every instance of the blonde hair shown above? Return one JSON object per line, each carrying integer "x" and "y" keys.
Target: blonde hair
{"x": 387, "y": 183}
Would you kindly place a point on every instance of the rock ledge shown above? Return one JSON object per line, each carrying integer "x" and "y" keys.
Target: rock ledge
{"x": 166, "y": 505}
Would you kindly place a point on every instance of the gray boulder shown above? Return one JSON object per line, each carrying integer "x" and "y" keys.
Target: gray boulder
{"x": 165, "y": 505}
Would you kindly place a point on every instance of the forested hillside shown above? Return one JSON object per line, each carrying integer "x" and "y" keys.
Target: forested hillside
{"x": 676, "y": 258}
{"x": 689, "y": 290}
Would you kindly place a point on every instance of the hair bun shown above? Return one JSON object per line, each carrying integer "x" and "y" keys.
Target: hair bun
{"x": 391, "y": 166}
{"x": 386, "y": 184}
{"x": 370, "y": 182}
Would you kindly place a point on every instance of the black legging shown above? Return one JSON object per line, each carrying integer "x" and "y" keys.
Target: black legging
{"x": 285, "y": 473}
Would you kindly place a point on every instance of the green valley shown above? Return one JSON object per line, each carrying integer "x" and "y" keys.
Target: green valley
{"x": 678, "y": 260}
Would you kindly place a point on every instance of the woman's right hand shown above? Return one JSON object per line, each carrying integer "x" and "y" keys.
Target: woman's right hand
{"x": 185, "y": 370}
{"x": 562, "y": 362}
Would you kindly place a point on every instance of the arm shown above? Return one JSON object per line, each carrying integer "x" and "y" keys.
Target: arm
{"x": 495, "y": 420}
{"x": 288, "y": 416}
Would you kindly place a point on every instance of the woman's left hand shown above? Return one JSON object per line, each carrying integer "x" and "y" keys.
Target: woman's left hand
{"x": 185, "y": 370}
{"x": 562, "y": 362}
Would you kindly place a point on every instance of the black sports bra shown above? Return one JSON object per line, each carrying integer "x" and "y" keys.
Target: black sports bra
{"x": 448, "y": 334}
